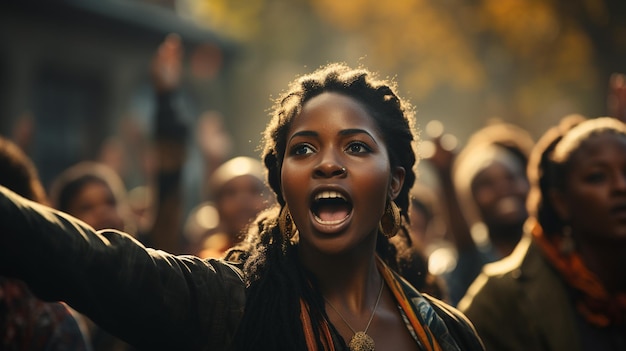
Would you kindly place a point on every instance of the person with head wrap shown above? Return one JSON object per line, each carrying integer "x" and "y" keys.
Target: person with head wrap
{"x": 239, "y": 195}
{"x": 94, "y": 193}
{"x": 484, "y": 190}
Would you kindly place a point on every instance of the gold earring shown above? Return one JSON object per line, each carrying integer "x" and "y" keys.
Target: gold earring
{"x": 390, "y": 221}
{"x": 285, "y": 223}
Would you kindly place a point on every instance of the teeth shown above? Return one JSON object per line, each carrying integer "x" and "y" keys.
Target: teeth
{"x": 329, "y": 195}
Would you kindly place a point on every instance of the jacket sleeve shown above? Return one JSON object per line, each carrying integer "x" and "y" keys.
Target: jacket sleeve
{"x": 151, "y": 299}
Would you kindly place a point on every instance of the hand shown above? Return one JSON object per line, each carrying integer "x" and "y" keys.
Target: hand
{"x": 167, "y": 64}
{"x": 215, "y": 142}
{"x": 441, "y": 147}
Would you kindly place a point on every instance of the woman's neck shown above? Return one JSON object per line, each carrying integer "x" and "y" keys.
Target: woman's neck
{"x": 504, "y": 238}
{"x": 608, "y": 262}
{"x": 344, "y": 279}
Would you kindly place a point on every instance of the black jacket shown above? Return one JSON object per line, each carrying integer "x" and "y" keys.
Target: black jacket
{"x": 152, "y": 299}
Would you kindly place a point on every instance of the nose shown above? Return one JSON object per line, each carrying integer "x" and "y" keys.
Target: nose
{"x": 620, "y": 182}
{"x": 329, "y": 164}
{"x": 512, "y": 185}
{"x": 329, "y": 170}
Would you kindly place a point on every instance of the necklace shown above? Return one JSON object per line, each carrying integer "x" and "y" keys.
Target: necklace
{"x": 360, "y": 340}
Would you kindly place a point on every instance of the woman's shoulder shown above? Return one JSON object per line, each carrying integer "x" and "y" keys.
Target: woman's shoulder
{"x": 457, "y": 325}
{"x": 500, "y": 280}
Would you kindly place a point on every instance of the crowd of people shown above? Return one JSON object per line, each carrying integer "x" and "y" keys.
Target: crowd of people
{"x": 322, "y": 242}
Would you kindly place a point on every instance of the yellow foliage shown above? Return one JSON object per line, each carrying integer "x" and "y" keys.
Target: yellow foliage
{"x": 525, "y": 26}
{"x": 517, "y": 55}
{"x": 239, "y": 18}
{"x": 411, "y": 37}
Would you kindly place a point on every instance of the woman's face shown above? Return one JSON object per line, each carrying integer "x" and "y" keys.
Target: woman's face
{"x": 336, "y": 175}
{"x": 96, "y": 205}
{"x": 500, "y": 195}
{"x": 240, "y": 200}
{"x": 594, "y": 199}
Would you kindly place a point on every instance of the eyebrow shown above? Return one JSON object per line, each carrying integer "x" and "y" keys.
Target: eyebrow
{"x": 356, "y": 131}
{"x": 351, "y": 131}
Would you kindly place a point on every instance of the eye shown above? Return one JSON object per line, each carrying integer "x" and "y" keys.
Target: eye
{"x": 302, "y": 149}
{"x": 595, "y": 177}
{"x": 482, "y": 183}
{"x": 357, "y": 147}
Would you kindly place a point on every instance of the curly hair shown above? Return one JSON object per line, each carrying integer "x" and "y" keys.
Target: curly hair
{"x": 276, "y": 281}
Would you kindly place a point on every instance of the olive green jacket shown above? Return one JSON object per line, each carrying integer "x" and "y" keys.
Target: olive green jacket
{"x": 520, "y": 303}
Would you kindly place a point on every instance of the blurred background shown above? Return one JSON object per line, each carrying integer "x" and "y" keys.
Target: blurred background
{"x": 75, "y": 85}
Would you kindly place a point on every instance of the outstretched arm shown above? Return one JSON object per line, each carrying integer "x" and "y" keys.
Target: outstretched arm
{"x": 149, "y": 298}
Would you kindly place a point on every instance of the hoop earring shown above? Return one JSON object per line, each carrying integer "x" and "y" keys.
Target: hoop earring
{"x": 390, "y": 221}
{"x": 285, "y": 223}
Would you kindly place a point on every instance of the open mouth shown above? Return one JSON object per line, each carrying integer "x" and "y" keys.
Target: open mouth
{"x": 510, "y": 204}
{"x": 330, "y": 207}
{"x": 619, "y": 210}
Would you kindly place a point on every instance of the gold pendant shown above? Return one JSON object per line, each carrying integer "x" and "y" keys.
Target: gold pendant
{"x": 361, "y": 342}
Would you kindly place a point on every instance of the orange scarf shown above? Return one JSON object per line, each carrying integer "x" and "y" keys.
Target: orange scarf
{"x": 595, "y": 303}
{"x": 425, "y": 336}
{"x": 327, "y": 339}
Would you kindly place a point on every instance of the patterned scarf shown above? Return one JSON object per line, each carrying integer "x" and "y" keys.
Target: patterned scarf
{"x": 426, "y": 324}
{"x": 594, "y": 302}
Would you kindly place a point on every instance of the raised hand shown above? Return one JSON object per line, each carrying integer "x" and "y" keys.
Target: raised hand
{"x": 167, "y": 64}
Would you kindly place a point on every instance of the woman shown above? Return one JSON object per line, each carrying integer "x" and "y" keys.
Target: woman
{"x": 240, "y": 194}
{"x": 316, "y": 275}
{"x": 484, "y": 191}
{"x": 92, "y": 192}
{"x": 564, "y": 287}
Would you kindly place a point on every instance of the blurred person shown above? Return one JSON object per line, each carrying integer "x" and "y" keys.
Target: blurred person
{"x": 564, "y": 287}
{"x": 425, "y": 225}
{"x": 484, "y": 192}
{"x": 170, "y": 135}
{"x": 26, "y": 322}
{"x": 95, "y": 194}
{"x": 423, "y": 236}
{"x": 180, "y": 173}
{"x": 311, "y": 270}
{"x": 240, "y": 194}
{"x": 202, "y": 218}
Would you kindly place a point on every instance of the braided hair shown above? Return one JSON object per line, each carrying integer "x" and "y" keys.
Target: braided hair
{"x": 541, "y": 174}
{"x": 275, "y": 280}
